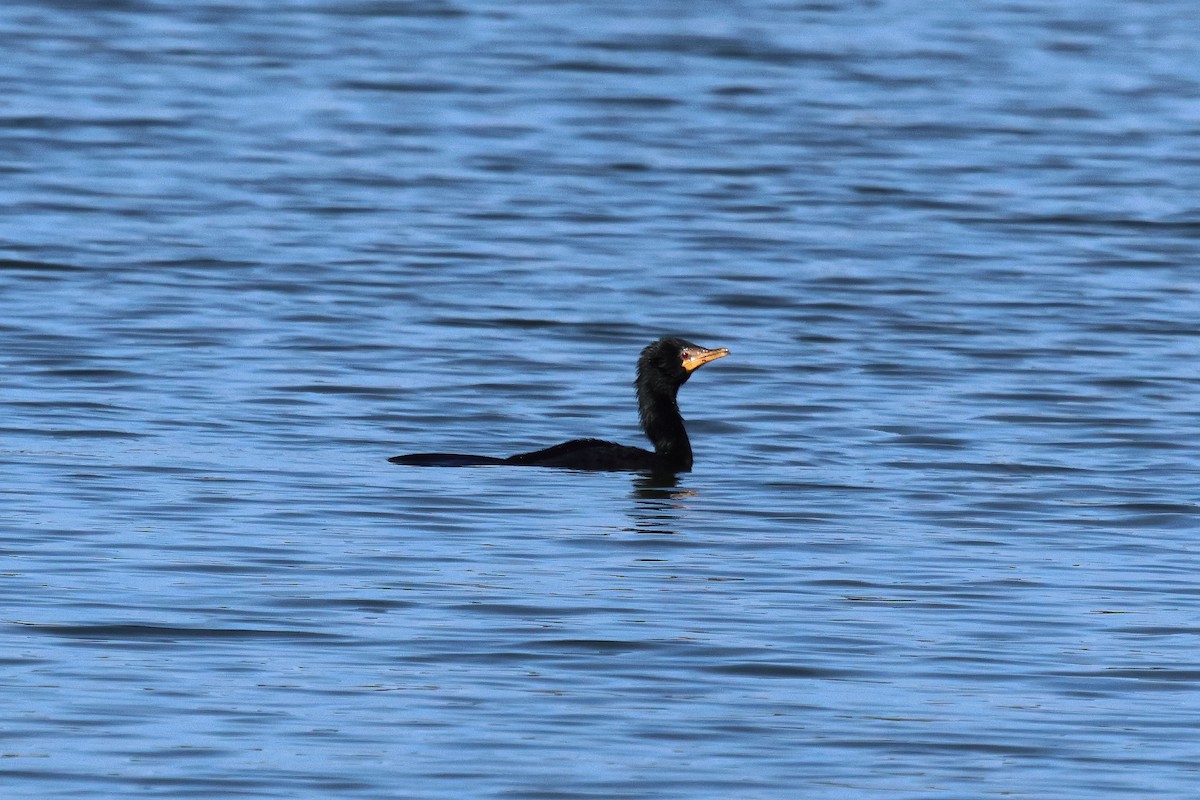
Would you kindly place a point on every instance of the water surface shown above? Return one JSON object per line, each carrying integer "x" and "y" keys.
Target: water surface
{"x": 940, "y": 540}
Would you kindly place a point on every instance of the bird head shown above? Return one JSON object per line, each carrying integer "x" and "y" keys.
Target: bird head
{"x": 672, "y": 360}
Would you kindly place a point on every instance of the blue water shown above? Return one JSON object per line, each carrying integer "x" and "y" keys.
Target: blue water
{"x": 943, "y": 534}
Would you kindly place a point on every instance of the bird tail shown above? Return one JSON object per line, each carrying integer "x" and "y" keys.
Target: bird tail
{"x": 444, "y": 460}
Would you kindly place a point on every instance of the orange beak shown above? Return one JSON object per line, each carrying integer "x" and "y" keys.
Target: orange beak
{"x": 695, "y": 357}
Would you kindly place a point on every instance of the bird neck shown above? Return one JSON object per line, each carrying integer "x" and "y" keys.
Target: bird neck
{"x": 663, "y": 425}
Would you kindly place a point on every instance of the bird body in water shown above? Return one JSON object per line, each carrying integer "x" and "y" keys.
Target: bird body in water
{"x": 663, "y": 367}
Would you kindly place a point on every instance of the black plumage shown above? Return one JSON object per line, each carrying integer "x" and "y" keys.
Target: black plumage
{"x": 663, "y": 367}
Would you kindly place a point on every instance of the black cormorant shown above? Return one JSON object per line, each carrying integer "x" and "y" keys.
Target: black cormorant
{"x": 663, "y": 367}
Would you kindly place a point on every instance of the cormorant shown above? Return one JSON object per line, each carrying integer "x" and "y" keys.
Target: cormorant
{"x": 663, "y": 367}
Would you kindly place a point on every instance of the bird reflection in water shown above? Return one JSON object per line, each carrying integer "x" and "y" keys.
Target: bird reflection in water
{"x": 658, "y": 502}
